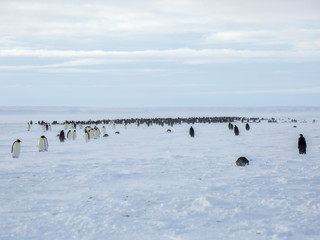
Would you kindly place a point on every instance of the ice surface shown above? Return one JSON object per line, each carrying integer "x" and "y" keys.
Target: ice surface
{"x": 146, "y": 183}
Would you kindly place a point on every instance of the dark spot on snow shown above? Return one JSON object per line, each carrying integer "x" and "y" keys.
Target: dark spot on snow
{"x": 126, "y": 215}
{"x": 242, "y": 161}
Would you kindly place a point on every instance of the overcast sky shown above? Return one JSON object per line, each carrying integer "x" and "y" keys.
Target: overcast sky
{"x": 128, "y": 53}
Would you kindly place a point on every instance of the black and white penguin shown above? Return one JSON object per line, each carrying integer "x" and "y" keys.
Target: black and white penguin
{"x": 96, "y": 132}
{"x": 62, "y": 136}
{"x": 69, "y": 135}
{"x": 242, "y": 161}
{"x": 169, "y": 131}
{"x": 86, "y": 135}
{"x": 191, "y": 132}
{"x": 43, "y": 144}
{"x": 236, "y": 130}
{"x": 74, "y": 135}
{"x": 28, "y": 126}
{"x": 302, "y": 145}
{"x": 230, "y": 126}
{"x": 16, "y": 148}
{"x": 103, "y": 130}
{"x": 247, "y": 127}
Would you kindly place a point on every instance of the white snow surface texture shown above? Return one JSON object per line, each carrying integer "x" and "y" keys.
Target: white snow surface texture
{"x": 146, "y": 183}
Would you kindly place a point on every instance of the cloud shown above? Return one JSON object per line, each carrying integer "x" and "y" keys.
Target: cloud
{"x": 79, "y": 18}
{"x": 182, "y": 56}
{"x": 295, "y": 39}
{"x": 315, "y": 90}
{"x": 184, "y": 32}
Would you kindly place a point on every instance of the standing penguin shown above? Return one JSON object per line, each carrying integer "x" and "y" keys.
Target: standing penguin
{"x": 74, "y": 135}
{"x": 191, "y": 132}
{"x": 302, "y": 145}
{"x": 103, "y": 130}
{"x": 86, "y": 135}
{"x": 247, "y": 127}
{"x": 15, "y": 150}
{"x": 69, "y": 135}
{"x": 28, "y": 126}
{"x": 62, "y": 136}
{"x": 43, "y": 144}
{"x": 236, "y": 130}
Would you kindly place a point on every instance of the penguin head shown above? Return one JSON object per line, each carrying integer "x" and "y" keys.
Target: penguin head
{"x": 43, "y": 136}
{"x": 18, "y": 140}
{"x": 301, "y": 135}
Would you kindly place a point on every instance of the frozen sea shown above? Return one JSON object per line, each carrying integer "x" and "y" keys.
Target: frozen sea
{"x": 146, "y": 183}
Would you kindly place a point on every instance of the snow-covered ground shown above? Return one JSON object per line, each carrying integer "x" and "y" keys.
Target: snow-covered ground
{"x": 146, "y": 183}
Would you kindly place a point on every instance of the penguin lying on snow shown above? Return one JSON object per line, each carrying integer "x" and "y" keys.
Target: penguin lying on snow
{"x": 242, "y": 161}
{"x": 15, "y": 150}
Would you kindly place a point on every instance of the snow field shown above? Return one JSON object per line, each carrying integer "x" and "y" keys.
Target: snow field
{"x": 146, "y": 183}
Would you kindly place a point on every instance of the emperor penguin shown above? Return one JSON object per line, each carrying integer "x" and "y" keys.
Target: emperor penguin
{"x": 43, "y": 144}
{"x": 103, "y": 130}
{"x": 28, "y": 126}
{"x": 96, "y": 133}
{"x": 62, "y": 136}
{"x": 236, "y": 130}
{"x": 86, "y": 135}
{"x": 15, "y": 150}
{"x": 74, "y": 135}
{"x": 242, "y": 161}
{"x": 191, "y": 132}
{"x": 91, "y": 133}
{"x": 69, "y": 135}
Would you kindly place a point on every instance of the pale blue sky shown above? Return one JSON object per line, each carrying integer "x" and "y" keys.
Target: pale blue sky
{"x": 160, "y": 53}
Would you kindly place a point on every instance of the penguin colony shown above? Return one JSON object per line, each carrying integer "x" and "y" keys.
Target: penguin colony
{"x": 95, "y": 133}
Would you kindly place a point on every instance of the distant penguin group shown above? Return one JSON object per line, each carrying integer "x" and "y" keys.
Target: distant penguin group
{"x": 94, "y": 133}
